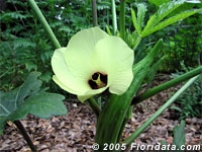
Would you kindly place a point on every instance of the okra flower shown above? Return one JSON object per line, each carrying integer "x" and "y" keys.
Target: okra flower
{"x": 92, "y": 62}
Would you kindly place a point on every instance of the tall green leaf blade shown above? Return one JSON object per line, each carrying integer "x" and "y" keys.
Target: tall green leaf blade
{"x": 138, "y": 21}
{"x": 135, "y": 24}
{"x": 179, "y": 135}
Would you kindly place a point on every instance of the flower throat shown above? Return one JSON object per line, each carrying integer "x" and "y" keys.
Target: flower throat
{"x": 98, "y": 80}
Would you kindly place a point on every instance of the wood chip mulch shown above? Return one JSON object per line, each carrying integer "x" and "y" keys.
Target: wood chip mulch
{"x": 75, "y": 131}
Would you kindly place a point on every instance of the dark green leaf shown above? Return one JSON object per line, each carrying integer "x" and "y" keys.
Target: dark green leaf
{"x": 29, "y": 98}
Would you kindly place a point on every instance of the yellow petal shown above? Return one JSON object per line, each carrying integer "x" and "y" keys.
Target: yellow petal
{"x": 113, "y": 56}
{"x": 90, "y": 93}
{"x": 80, "y": 49}
{"x": 63, "y": 76}
{"x": 73, "y": 65}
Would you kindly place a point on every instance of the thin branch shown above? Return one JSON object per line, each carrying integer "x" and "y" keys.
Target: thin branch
{"x": 25, "y": 135}
{"x": 94, "y": 6}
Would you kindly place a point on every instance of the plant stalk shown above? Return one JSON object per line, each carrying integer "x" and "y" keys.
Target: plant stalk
{"x": 94, "y": 106}
{"x": 166, "y": 85}
{"x": 114, "y": 19}
{"x": 25, "y": 135}
{"x": 94, "y": 6}
{"x": 122, "y": 19}
{"x": 44, "y": 23}
{"x": 134, "y": 135}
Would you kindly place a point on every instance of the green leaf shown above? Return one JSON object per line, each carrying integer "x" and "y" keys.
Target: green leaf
{"x": 23, "y": 42}
{"x": 10, "y": 101}
{"x": 141, "y": 10}
{"x": 170, "y": 21}
{"x": 158, "y": 2}
{"x": 176, "y": 10}
{"x": 179, "y": 135}
{"x": 135, "y": 24}
{"x": 163, "y": 11}
{"x": 138, "y": 21}
{"x": 30, "y": 66}
{"x": 43, "y": 105}
{"x": 29, "y": 98}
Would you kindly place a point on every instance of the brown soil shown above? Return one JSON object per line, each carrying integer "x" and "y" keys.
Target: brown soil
{"x": 76, "y": 131}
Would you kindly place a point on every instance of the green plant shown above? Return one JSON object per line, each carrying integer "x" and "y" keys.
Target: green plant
{"x": 190, "y": 102}
{"x": 184, "y": 44}
{"x": 113, "y": 115}
{"x": 178, "y": 140}
{"x": 26, "y": 99}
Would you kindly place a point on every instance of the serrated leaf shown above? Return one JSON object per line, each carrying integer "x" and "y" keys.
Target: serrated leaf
{"x": 13, "y": 15}
{"x": 179, "y": 134}
{"x": 170, "y": 21}
{"x": 23, "y": 42}
{"x": 11, "y": 100}
{"x": 47, "y": 104}
{"x": 164, "y": 10}
{"x": 29, "y": 98}
{"x": 43, "y": 105}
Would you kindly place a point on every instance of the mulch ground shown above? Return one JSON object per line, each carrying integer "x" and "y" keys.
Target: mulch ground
{"x": 75, "y": 131}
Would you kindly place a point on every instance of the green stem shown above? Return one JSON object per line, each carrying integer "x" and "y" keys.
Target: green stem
{"x": 44, "y": 23}
{"x": 94, "y": 6}
{"x": 114, "y": 19}
{"x": 166, "y": 85}
{"x": 127, "y": 117}
{"x": 25, "y": 135}
{"x": 115, "y": 111}
{"x": 94, "y": 106}
{"x": 122, "y": 19}
{"x": 134, "y": 135}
